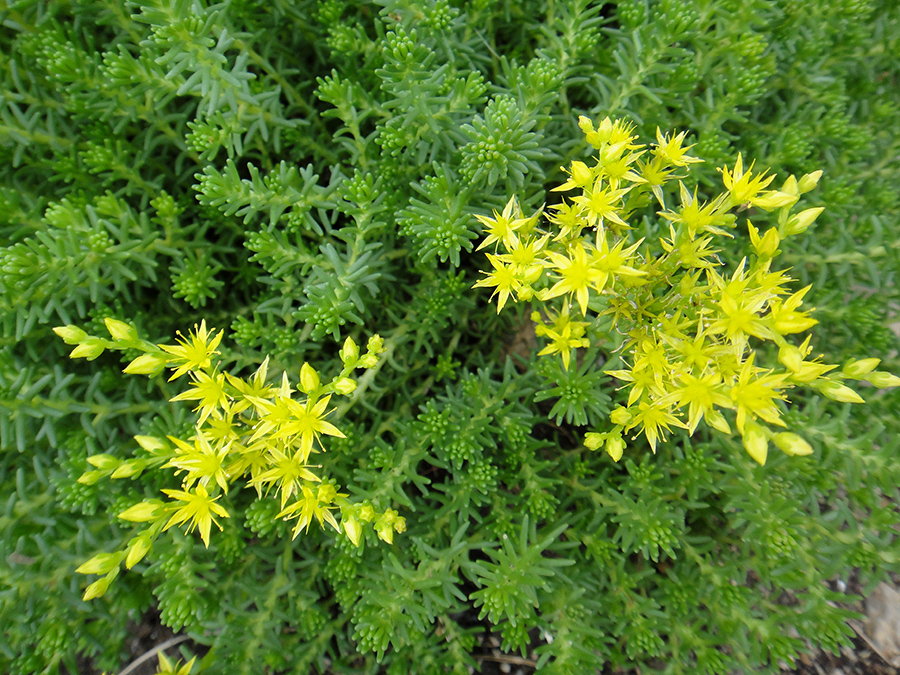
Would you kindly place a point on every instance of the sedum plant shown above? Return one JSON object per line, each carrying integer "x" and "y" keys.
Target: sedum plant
{"x": 690, "y": 333}
{"x": 297, "y": 173}
{"x": 246, "y": 429}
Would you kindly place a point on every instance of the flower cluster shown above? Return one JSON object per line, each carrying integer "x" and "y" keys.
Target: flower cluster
{"x": 247, "y": 430}
{"x": 691, "y": 331}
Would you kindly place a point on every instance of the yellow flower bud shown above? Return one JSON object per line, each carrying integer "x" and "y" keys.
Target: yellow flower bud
{"x": 793, "y": 322}
{"x": 368, "y": 361}
{"x": 90, "y": 349}
{"x": 140, "y": 547}
{"x": 146, "y": 364}
{"x": 326, "y": 493}
{"x": 767, "y": 245}
{"x": 792, "y": 444}
{"x": 71, "y": 335}
{"x": 593, "y": 440}
{"x": 345, "y": 386}
{"x": 809, "y": 372}
{"x": 809, "y": 181}
{"x": 773, "y": 200}
{"x": 585, "y": 124}
{"x": 839, "y": 392}
{"x": 790, "y": 186}
{"x": 790, "y": 357}
{"x": 621, "y": 417}
{"x": 352, "y": 528}
{"x": 150, "y": 443}
{"x": 755, "y": 442}
{"x": 717, "y": 421}
{"x": 375, "y": 344}
{"x": 90, "y": 477}
{"x": 101, "y": 563}
{"x": 104, "y": 462}
{"x": 143, "y": 512}
{"x": 309, "y": 379}
{"x": 883, "y": 380}
{"x": 581, "y": 174}
{"x": 858, "y": 369}
{"x": 615, "y": 446}
{"x": 96, "y": 589}
{"x": 366, "y": 513}
{"x": 349, "y": 352}
{"x": 799, "y": 223}
{"x": 120, "y": 330}
{"x": 384, "y": 526}
{"x": 129, "y": 469}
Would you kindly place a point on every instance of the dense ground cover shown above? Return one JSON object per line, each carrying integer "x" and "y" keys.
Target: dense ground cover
{"x": 297, "y": 173}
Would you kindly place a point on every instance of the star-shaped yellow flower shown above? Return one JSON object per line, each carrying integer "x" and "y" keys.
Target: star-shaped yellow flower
{"x": 195, "y": 353}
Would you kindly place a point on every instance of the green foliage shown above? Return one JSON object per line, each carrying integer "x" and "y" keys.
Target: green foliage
{"x": 304, "y": 172}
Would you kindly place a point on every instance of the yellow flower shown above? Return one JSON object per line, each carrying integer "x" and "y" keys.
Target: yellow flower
{"x": 312, "y": 505}
{"x": 670, "y": 150}
{"x": 502, "y": 225}
{"x": 523, "y": 252}
{"x": 255, "y": 387}
{"x": 655, "y": 174}
{"x": 307, "y": 422}
{"x": 739, "y": 319}
{"x": 615, "y": 170}
{"x": 602, "y": 203}
{"x": 287, "y": 419}
{"x": 615, "y": 260}
{"x": 654, "y": 420}
{"x": 253, "y": 458}
{"x": 565, "y": 335}
{"x": 700, "y": 394}
{"x": 743, "y": 187}
{"x": 699, "y": 352}
{"x": 570, "y": 220}
{"x": 738, "y": 310}
{"x": 200, "y": 461}
{"x": 651, "y": 355}
{"x": 786, "y": 320}
{"x": 288, "y": 471}
{"x": 754, "y": 395}
{"x": 576, "y": 276}
{"x": 699, "y": 217}
{"x": 198, "y": 508}
{"x": 608, "y": 132}
{"x": 580, "y": 176}
{"x": 503, "y": 278}
{"x": 692, "y": 253}
{"x": 209, "y": 390}
{"x": 166, "y": 667}
{"x": 194, "y": 354}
